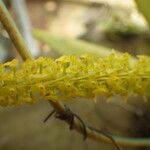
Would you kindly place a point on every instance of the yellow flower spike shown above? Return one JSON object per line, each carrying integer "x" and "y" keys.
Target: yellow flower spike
{"x": 3, "y": 102}
{"x": 69, "y": 76}
{"x": 1, "y": 68}
{"x": 42, "y": 89}
{"x": 12, "y": 65}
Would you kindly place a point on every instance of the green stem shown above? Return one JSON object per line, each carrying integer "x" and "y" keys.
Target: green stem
{"x": 13, "y": 32}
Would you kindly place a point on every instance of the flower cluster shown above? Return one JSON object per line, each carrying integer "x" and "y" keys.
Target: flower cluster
{"x": 69, "y": 77}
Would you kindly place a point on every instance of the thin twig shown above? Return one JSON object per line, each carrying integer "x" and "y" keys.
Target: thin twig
{"x": 69, "y": 117}
{"x": 13, "y": 32}
{"x": 49, "y": 116}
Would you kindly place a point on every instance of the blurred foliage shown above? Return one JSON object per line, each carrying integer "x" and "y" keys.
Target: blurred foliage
{"x": 143, "y": 6}
{"x": 122, "y": 25}
{"x": 68, "y": 46}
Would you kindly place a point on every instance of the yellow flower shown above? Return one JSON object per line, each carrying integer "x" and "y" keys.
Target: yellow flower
{"x": 69, "y": 76}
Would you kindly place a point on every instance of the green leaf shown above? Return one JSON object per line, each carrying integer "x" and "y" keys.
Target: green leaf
{"x": 67, "y": 46}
